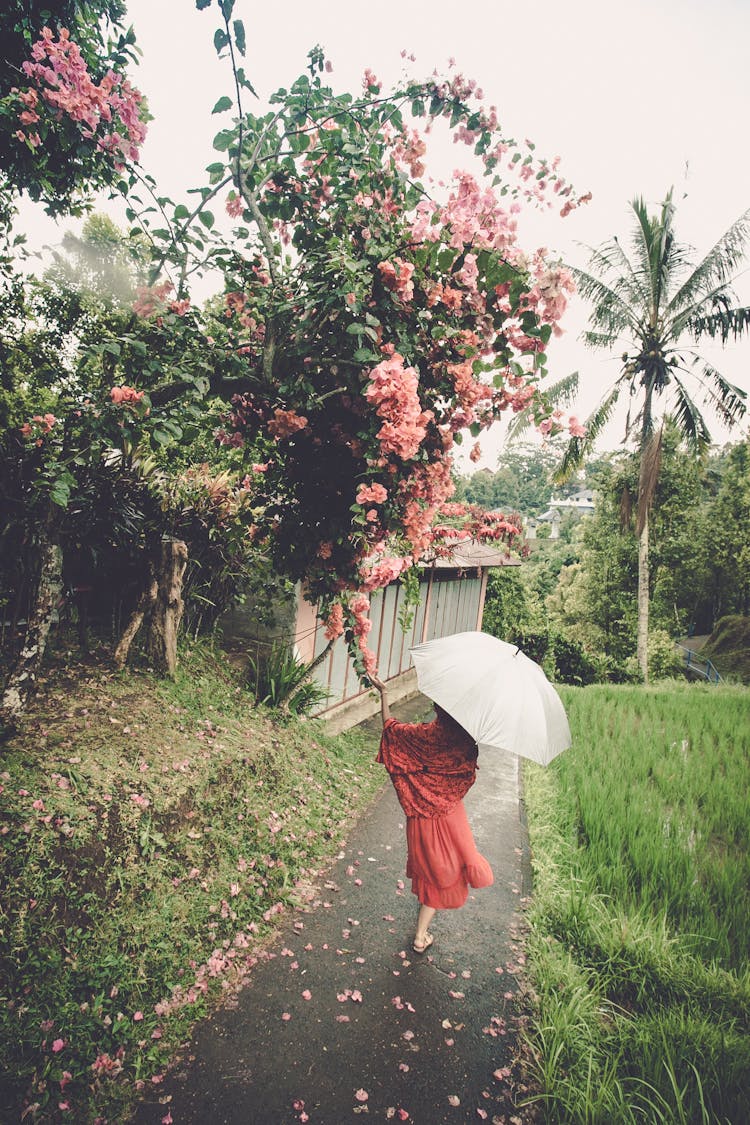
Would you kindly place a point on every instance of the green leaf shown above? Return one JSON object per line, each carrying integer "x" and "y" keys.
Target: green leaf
{"x": 223, "y": 140}
{"x": 239, "y": 35}
{"x": 222, "y": 105}
{"x": 111, "y": 347}
{"x": 221, "y": 40}
{"x": 207, "y": 218}
{"x": 60, "y": 492}
{"x": 201, "y": 4}
{"x": 181, "y": 212}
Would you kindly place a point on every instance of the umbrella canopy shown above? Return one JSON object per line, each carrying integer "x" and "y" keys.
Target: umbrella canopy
{"x": 501, "y": 697}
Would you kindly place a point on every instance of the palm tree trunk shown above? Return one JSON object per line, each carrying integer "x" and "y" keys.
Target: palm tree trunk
{"x": 643, "y": 598}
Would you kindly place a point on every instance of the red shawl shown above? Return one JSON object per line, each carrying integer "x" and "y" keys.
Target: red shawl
{"x": 432, "y": 765}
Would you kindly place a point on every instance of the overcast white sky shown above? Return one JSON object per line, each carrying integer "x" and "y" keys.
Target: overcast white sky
{"x": 635, "y": 96}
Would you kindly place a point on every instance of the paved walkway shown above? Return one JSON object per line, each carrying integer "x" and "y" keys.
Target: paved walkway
{"x": 343, "y": 1020}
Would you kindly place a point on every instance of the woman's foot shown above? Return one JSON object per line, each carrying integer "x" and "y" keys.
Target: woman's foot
{"x": 423, "y": 944}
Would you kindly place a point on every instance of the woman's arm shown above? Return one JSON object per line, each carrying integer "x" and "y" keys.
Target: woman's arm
{"x": 384, "y": 706}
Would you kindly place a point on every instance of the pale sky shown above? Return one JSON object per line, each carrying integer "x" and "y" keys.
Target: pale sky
{"x": 633, "y": 96}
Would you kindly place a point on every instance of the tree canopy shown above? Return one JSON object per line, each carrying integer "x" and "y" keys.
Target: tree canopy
{"x": 367, "y": 319}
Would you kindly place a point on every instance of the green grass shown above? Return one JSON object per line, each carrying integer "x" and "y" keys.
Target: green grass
{"x": 640, "y": 923}
{"x": 152, "y": 833}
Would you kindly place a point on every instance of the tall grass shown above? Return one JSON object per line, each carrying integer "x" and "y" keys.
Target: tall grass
{"x": 640, "y": 939}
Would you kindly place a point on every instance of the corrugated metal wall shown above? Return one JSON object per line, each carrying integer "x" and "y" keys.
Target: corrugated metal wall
{"x": 448, "y": 604}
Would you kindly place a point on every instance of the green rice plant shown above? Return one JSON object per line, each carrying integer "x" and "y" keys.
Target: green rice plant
{"x": 640, "y": 852}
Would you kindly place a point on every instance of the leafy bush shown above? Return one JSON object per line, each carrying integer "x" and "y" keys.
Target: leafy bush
{"x": 573, "y": 665}
{"x": 663, "y": 659}
{"x": 535, "y": 644}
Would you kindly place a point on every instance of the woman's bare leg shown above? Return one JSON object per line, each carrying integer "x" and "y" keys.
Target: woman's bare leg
{"x": 425, "y": 916}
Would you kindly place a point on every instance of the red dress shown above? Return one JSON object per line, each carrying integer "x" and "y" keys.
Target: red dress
{"x": 432, "y": 767}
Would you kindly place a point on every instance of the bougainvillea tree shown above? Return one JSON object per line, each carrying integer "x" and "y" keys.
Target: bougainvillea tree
{"x": 379, "y": 314}
{"x": 370, "y": 317}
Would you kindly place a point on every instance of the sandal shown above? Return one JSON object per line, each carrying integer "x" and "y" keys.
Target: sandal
{"x": 422, "y": 947}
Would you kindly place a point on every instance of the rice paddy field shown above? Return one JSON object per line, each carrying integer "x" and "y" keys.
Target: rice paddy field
{"x": 640, "y": 920}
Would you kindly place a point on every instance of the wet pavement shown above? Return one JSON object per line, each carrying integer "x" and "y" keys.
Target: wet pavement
{"x": 341, "y": 1021}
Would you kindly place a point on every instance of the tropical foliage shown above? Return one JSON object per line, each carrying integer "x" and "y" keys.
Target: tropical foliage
{"x": 367, "y": 319}
{"x": 655, "y": 302}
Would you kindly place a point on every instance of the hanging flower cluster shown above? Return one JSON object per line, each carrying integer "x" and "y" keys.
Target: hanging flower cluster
{"x": 108, "y": 113}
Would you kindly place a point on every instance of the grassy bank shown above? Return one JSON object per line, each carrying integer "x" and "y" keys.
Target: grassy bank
{"x": 640, "y": 922}
{"x": 151, "y": 835}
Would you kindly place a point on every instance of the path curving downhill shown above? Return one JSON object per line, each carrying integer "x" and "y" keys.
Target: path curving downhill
{"x": 342, "y": 1022}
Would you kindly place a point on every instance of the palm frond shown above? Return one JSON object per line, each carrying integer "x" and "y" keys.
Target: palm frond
{"x": 648, "y": 245}
{"x": 718, "y": 266}
{"x": 718, "y": 300}
{"x": 611, "y": 313}
{"x": 610, "y": 259}
{"x": 689, "y": 419}
{"x": 728, "y": 400}
{"x": 578, "y": 448}
{"x": 597, "y": 339}
{"x": 560, "y": 393}
{"x": 722, "y": 322}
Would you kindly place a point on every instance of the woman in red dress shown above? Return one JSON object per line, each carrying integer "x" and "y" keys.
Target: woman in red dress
{"x": 432, "y": 767}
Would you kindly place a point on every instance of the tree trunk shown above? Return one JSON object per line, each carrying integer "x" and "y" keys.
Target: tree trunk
{"x": 167, "y": 608}
{"x": 22, "y": 678}
{"x": 161, "y": 606}
{"x": 643, "y": 598}
{"x": 144, "y": 606}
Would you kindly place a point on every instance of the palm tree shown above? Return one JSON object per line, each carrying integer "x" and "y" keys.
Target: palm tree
{"x": 658, "y": 303}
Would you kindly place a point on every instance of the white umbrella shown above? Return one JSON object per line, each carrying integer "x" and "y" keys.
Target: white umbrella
{"x": 501, "y": 697}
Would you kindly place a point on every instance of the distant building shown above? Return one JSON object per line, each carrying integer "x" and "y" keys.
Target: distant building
{"x": 581, "y": 502}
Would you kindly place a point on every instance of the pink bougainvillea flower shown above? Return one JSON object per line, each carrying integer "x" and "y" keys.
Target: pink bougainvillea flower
{"x": 235, "y": 205}
{"x": 285, "y": 423}
{"x": 371, "y": 494}
{"x": 361, "y": 1095}
{"x": 151, "y": 299}
{"x": 108, "y": 113}
{"x": 125, "y": 395}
